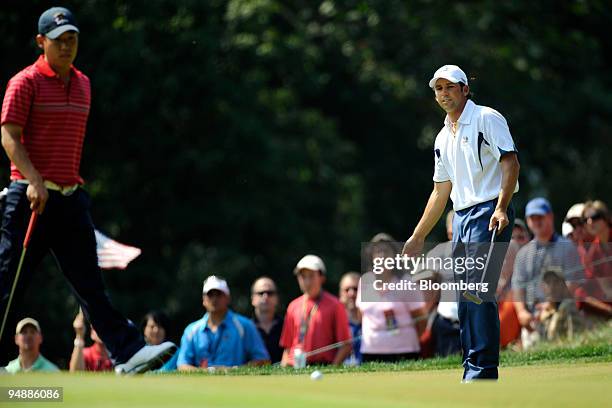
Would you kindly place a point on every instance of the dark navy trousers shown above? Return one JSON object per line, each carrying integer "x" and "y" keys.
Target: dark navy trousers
{"x": 66, "y": 230}
{"x": 479, "y": 323}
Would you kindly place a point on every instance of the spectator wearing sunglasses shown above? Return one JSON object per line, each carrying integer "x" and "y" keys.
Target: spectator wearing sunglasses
{"x": 349, "y": 284}
{"x": 597, "y": 221}
{"x": 573, "y": 227}
{"x": 264, "y": 298}
{"x": 520, "y": 232}
{"x": 598, "y": 258}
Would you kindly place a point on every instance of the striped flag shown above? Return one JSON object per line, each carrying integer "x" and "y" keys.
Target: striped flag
{"x": 112, "y": 254}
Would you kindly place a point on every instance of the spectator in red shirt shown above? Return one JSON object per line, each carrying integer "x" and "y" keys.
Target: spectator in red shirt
{"x": 43, "y": 121}
{"x": 598, "y": 258}
{"x": 93, "y": 358}
{"x": 314, "y": 320}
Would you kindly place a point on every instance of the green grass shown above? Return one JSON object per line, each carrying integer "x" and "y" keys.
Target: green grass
{"x": 590, "y": 347}
{"x": 564, "y": 385}
{"x": 578, "y": 373}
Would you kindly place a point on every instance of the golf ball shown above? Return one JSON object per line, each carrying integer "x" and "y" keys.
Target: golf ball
{"x": 316, "y": 375}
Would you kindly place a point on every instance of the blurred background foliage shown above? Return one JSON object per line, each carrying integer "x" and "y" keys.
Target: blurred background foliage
{"x": 233, "y": 137}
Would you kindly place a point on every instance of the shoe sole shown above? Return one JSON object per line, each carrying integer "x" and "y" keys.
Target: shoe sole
{"x": 154, "y": 363}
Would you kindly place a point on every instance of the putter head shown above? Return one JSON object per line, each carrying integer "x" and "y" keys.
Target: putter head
{"x": 472, "y": 297}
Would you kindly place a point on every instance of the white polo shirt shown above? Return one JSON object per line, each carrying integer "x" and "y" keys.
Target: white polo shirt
{"x": 470, "y": 158}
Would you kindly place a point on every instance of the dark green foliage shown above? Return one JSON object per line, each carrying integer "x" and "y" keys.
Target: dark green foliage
{"x": 233, "y": 137}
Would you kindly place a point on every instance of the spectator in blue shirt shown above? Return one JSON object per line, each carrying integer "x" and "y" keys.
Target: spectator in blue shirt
{"x": 221, "y": 338}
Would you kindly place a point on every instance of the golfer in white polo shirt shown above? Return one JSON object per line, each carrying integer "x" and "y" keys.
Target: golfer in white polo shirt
{"x": 476, "y": 165}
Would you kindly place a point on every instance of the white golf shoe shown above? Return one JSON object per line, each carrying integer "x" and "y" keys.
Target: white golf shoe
{"x": 147, "y": 358}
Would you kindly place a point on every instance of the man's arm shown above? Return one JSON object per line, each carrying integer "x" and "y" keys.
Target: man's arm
{"x": 524, "y": 316}
{"x": 342, "y": 354}
{"x": 507, "y": 269}
{"x": 258, "y": 363}
{"x": 77, "y": 359}
{"x": 598, "y": 305}
{"x": 11, "y": 142}
{"x": 285, "y": 359}
{"x": 186, "y": 367}
{"x": 519, "y": 285}
{"x": 256, "y": 349}
{"x": 510, "y": 171}
{"x": 432, "y": 213}
{"x": 342, "y": 333}
{"x": 186, "y": 352}
{"x": 419, "y": 316}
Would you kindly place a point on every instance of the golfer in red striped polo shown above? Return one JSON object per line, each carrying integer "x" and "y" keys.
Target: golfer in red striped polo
{"x": 44, "y": 117}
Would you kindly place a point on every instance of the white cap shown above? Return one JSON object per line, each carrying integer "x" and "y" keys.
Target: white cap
{"x": 24, "y": 322}
{"x": 451, "y": 72}
{"x": 575, "y": 211}
{"x": 566, "y": 229}
{"x": 212, "y": 282}
{"x": 312, "y": 262}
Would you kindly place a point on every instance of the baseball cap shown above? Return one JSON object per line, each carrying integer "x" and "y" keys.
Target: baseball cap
{"x": 55, "y": 22}
{"x": 566, "y": 229}
{"x": 24, "y": 322}
{"x": 521, "y": 224}
{"x": 451, "y": 72}
{"x": 538, "y": 206}
{"x": 575, "y": 211}
{"x": 213, "y": 282}
{"x": 312, "y": 262}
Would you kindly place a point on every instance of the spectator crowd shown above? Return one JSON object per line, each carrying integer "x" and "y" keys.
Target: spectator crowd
{"x": 552, "y": 286}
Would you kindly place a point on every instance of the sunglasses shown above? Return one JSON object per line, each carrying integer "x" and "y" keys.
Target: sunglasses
{"x": 350, "y": 288}
{"x": 265, "y": 292}
{"x": 595, "y": 217}
{"x": 576, "y": 222}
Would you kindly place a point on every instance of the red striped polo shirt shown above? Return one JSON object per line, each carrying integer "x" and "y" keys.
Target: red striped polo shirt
{"x": 53, "y": 116}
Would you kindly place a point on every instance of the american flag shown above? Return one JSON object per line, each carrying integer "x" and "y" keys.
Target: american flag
{"x": 112, "y": 254}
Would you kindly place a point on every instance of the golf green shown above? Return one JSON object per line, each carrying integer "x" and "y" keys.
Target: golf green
{"x": 565, "y": 385}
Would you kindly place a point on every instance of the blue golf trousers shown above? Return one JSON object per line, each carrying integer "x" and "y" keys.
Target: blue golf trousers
{"x": 479, "y": 323}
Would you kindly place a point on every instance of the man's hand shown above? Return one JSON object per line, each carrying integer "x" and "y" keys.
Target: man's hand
{"x": 79, "y": 325}
{"x": 499, "y": 219}
{"x": 525, "y": 319}
{"x": 37, "y": 195}
{"x": 413, "y": 247}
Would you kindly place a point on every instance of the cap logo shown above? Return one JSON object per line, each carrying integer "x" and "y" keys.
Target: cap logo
{"x": 59, "y": 18}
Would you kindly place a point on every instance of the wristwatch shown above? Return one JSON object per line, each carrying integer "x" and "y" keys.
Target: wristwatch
{"x": 79, "y": 342}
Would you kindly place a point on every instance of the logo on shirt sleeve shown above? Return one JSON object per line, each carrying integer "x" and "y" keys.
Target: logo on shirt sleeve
{"x": 481, "y": 140}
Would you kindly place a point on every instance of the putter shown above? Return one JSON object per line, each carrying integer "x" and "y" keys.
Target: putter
{"x": 352, "y": 340}
{"x": 26, "y": 241}
{"x": 473, "y": 297}
{"x": 342, "y": 343}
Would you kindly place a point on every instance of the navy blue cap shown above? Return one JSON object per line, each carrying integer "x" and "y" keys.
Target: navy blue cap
{"x": 55, "y": 22}
{"x": 538, "y": 206}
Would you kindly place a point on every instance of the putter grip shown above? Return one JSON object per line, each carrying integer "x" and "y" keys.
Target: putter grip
{"x": 28, "y": 235}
